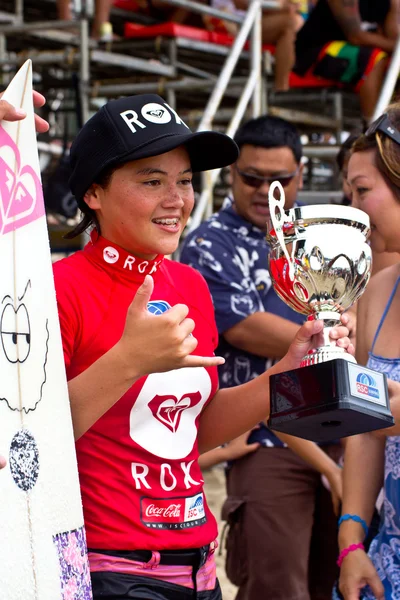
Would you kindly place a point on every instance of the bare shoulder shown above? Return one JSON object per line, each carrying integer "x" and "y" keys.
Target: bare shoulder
{"x": 371, "y": 306}
{"x": 373, "y": 302}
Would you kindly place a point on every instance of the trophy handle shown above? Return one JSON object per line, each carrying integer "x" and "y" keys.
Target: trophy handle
{"x": 278, "y": 218}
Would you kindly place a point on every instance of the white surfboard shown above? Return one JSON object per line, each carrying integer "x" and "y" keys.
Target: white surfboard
{"x": 42, "y": 540}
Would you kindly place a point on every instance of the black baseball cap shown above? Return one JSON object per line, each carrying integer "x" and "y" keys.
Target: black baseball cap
{"x": 138, "y": 127}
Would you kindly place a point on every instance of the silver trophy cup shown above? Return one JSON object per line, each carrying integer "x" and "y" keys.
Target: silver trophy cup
{"x": 320, "y": 263}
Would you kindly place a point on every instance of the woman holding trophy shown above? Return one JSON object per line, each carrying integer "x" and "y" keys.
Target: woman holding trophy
{"x": 374, "y": 178}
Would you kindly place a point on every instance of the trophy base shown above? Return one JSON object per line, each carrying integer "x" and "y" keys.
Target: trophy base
{"x": 325, "y": 354}
{"x": 330, "y": 400}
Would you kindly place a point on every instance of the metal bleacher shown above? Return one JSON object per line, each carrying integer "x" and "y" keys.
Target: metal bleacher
{"x": 212, "y": 79}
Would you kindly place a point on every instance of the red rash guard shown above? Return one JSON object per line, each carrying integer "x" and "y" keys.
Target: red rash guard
{"x": 141, "y": 485}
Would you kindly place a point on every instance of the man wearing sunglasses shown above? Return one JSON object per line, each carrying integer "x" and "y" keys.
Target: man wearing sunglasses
{"x": 272, "y": 493}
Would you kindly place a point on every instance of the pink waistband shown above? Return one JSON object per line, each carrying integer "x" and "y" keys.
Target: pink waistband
{"x": 177, "y": 574}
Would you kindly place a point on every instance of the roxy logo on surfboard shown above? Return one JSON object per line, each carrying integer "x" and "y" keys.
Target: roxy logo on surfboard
{"x": 21, "y": 196}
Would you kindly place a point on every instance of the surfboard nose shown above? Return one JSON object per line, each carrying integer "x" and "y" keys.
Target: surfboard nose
{"x": 19, "y": 90}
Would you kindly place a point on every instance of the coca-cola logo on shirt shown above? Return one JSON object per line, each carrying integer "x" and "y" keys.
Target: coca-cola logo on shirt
{"x": 173, "y": 510}
{"x": 173, "y": 513}
{"x": 168, "y": 409}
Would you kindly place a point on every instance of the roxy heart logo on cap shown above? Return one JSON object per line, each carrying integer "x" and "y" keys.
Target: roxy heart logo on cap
{"x": 21, "y": 195}
{"x": 138, "y": 117}
{"x": 110, "y": 255}
{"x": 155, "y": 113}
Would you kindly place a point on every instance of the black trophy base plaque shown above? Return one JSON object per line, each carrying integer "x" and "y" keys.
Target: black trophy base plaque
{"x": 329, "y": 400}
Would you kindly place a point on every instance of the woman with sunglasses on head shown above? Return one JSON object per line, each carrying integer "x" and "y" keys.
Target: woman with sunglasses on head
{"x": 373, "y": 459}
{"x": 139, "y": 336}
{"x": 380, "y": 260}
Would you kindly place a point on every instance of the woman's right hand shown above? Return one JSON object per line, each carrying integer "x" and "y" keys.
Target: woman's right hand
{"x": 10, "y": 113}
{"x": 356, "y": 572}
{"x": 304, "y": 341}
{"x": 158, "y": 343}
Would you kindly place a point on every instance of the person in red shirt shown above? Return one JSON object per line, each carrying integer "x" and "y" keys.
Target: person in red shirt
{"x": 139, "y": 335}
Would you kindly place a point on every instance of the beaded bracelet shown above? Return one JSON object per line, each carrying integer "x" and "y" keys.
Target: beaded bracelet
{"x": 347, "y": 517}
{"x": 347, "y": 551}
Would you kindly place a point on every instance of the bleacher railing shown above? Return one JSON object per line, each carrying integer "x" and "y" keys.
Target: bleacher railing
{"x": 390, "y": 82}
{"x": 252, "y": 90}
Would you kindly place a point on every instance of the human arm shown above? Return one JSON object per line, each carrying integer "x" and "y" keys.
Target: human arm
{"x": 262, "y": 333}
{"x": 361, "y": 485}
{"x": 312, "y": 454}
{"x": 394, "y": 396}
{"x": 347, "y": 14}
{"x": 149, "y": 344}
{"x": 233, "y": 450}
{"x": 238, "y": 301}
{"x": 248, "y": 404}
{"x": 10, "y": 113}
{"x": 391, "y": 24}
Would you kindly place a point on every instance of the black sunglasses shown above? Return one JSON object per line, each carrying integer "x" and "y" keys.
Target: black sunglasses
{"x": 256, "y": 181}
{"x": 383, "y": 125}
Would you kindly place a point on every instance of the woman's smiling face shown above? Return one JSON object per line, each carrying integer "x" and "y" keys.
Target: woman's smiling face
{"x": 371, "y": 193}
{"x": 146, "y": 205}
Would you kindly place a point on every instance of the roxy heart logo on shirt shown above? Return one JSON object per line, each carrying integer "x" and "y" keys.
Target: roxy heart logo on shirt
{"x": 168, "y": 409}
{"x": 163, "y": 416}
{"x": 21, "y": 195}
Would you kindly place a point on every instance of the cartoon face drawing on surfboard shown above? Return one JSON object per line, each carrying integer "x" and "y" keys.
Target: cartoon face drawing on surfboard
{"x": 42, "y": 539}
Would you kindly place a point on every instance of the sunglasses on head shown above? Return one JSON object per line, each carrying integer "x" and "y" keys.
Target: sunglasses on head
{"x": 383, "y": 125}
{"x": 256, "y": 181}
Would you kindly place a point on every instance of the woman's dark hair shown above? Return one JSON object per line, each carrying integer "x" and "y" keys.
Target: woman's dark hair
{"x": 89, "y": 218}
{"x": 387, "y": 151}
{"x": 270, "y": 132}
